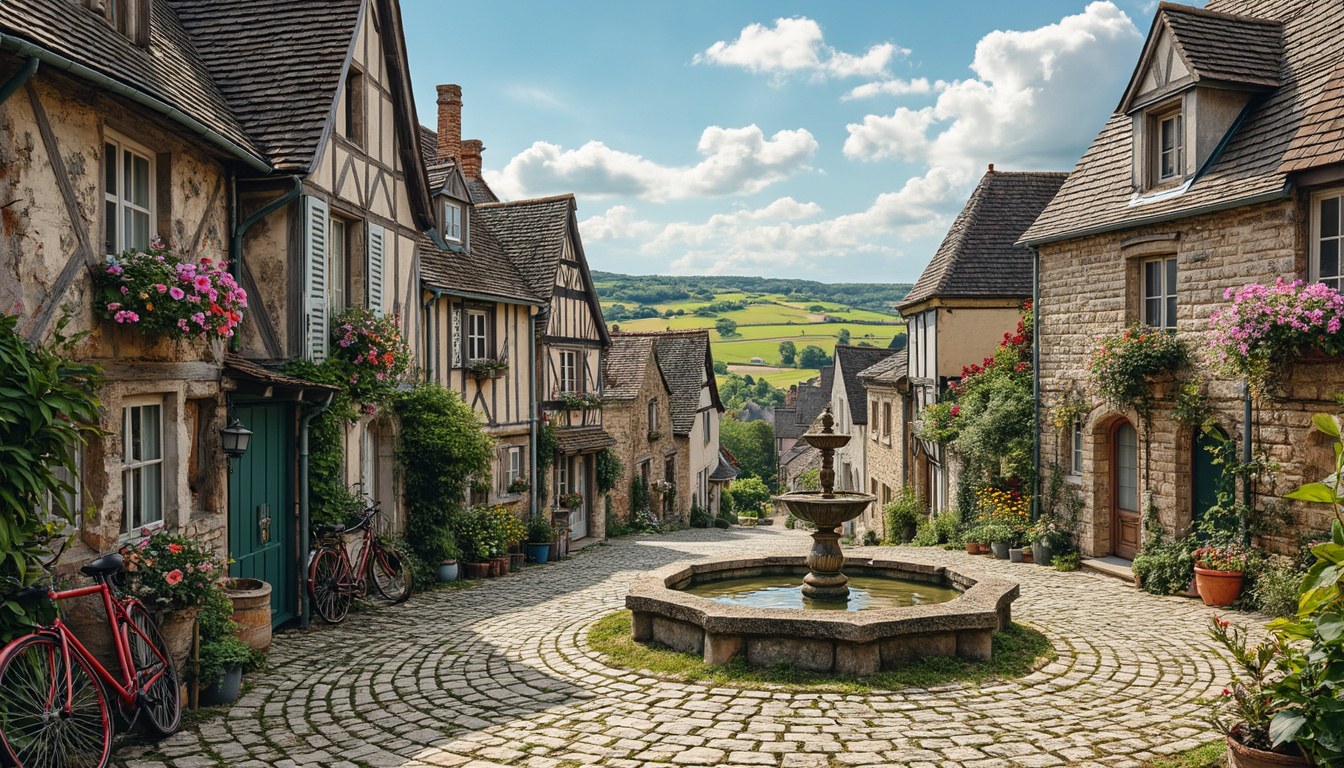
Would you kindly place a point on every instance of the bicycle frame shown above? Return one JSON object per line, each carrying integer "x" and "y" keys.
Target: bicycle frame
{"x": 119, "y": 621}
{"x": 359, "y": 566}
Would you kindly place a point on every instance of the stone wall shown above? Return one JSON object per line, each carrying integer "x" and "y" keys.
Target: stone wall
{"x": 886, "y": 455}
{"x": 1090, "y": 288}
{"x": 627, "y": 420}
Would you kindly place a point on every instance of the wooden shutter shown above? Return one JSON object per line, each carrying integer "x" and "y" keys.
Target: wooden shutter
{"x": 458, "y": 354}
{"x": 316, "y": 217}
{"x": 377, "y": 255}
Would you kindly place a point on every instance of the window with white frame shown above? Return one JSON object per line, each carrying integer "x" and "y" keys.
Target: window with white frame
{"x": 1076, "y": 448}
{"x": 478, "y": 335}
{"x": 338, "y": 263}
{"x": 141, "y": 463}
{"x": 705, "y": 425}
{"x": 453, "y": 215}
{"x": 1159, "y": 293}
{"x": 872, "y": 419}
{"x": 368, "y": 449}
{"x": 1169, "y": 145}
{"x": 128, "y": 176}
{"x": 511, "y": 468}
{"x": 569, "y": 371}
{"x": 1327, "y": 233}
{"x": 562, "y": 476}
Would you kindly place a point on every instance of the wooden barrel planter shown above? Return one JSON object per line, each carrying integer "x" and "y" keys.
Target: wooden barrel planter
{"x": 178, "y": 629}
{"x": 251, "y": 600}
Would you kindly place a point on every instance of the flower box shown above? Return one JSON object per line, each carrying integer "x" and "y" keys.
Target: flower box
{"x": 487, "y": 368}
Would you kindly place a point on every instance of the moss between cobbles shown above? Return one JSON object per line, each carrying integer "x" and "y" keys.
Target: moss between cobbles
{"x": 1211, "y": 754}
{"x": 1018, "y": 651}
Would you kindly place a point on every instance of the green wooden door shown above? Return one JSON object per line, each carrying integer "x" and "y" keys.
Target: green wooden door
{"x": 261, "y": 506}
{"x": 1205, "y": 474}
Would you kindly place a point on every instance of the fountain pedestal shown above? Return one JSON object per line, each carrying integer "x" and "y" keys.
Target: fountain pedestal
{"x": 827, "y": 510}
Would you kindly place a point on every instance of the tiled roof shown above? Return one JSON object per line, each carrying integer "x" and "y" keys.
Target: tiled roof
{"x": 1099, "y": 194}
{"x": 239, "y": 367}
{"x": 827, "y": 377}
{"x": 171, "y": 69}
{"x": 582, "y": 440}
{"x": 533, "y": 234}
{"x": 1226, "y": 47}
{"x": 429, "y": 142}
{"x": 724, "y": 471}
{"x": 625, "y": 365}
{"x": 1320, "y": 137}
{"x": 278, "y": 65}
{"x": 684, "y": 358}
{"x": 791, "y": 423}
{"x": 979, "y": 256}
{"x": 851, "y": 361}
{"x": 889, "y": 371}
{"x": 486, "y": 270}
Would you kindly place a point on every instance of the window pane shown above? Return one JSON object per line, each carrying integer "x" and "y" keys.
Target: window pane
{"x": 126, "y": 175}
{"x": 1170, "y": 284}
{"x": 140, "y": 187}
{"x": 139, "y": 230}
{"x": 153, "y": 486}
{"x": 1330, "y": 217}
{"x": 1169, "y": 321}
{"x": 130, "y": 506}
{"x": 110, "y": 169}
{"x": 151, "y": 445}
{"x": 131, "y": 446}
{"x": 111, "y": 218}
{"x": 336, "y": 264}
{"x": 1152, "y": 279}
{"x": 1152, "y": 312}
{"x": 1127, "y": 468}
{"x": 1329, "y": 265}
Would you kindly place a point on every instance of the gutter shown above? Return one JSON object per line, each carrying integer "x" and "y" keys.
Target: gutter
{"x": 53, "y": 59}
{"x": 236, "y": 239}
{"x": 304, "y": 512}
{"x": 532, "y": 396}
{"x": 16, "y": 82}
{"x": 482, "y": 297}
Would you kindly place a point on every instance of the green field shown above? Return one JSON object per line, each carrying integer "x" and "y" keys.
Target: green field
{"x": 779, "y": 377}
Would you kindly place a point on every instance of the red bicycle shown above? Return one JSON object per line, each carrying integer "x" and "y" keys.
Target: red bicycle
{"x": 333, "y": 581}
{"x": 54, "y": 693}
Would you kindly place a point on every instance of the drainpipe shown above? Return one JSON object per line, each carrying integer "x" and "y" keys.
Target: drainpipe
{"x": 304, "y": 424}
{"x": 1246, "y": 449}
{"x": 532, "y": 397}
{"x": 1036, "y": 382}
{"x": 236, "y": 241}
{"x": 16, "y": 82}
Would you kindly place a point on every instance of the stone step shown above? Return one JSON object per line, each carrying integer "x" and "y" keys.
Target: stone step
{"x": 1115, "y": 567}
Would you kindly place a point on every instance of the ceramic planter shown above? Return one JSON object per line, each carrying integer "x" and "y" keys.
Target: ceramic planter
{"x": 224, "y": 690}
{"x": 1041, "y": 554}
{"x": 1218, "y": 588}
{"x": 448, "y": 571}
{"x": 1000, "y": 549}
{"x": 1241, "y": 756}
{"x": 477, "y": 571}
{"x": 540, "y": 553}
{"x": 251, "y": 600}
{"x": 1015, "y": 554}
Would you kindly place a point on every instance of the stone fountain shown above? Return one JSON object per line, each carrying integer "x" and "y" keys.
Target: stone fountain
{"x": 827, "y": 510}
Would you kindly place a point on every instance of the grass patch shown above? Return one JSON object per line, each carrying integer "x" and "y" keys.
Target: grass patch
{"x": 1017, "y": 652}
{"x": 1206, "y": 755}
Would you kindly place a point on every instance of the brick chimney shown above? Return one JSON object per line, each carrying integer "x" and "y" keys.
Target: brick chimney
{"x": 450, "y": 122}
{"x": 791, "y": 396}
{"x": 471, "y": 158}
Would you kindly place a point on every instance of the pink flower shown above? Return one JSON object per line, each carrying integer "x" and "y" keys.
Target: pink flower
{"x": 202, "y": 283}
{"x": 176, "y": 293}
{"x": 114, "y": 306}
{"x": 124, "y": 290}
{"x": 173, "y": 577}
{"x": 160, "y": 287}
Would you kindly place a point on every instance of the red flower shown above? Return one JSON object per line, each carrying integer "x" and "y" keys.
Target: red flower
{"x": 175, "y": 548}
{"x": 173, "y": 577}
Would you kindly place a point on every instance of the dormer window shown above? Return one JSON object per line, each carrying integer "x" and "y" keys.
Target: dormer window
{"x": 1170, "y": 146}
{"x": 128, "y": 17}
{"x": 454, "y": 222}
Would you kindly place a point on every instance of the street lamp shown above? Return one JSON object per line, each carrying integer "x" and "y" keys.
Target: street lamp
{"x": 235, "y": 439}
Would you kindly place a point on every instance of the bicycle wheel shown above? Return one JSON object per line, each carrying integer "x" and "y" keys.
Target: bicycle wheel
{"x": 161, "y": 701}
{"x": 329, "y": 576}
{"x": 391, "y": 574}
{"x": 34, "y": 728}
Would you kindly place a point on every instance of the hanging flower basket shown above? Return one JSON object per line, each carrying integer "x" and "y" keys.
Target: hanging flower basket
{"x": 1266, "y": 329}
{"x": 163, "y": 294}
{"x": 1125, "y": 367}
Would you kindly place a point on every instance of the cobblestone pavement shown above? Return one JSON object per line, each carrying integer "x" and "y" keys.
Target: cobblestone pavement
{"x": 501, "y": 675}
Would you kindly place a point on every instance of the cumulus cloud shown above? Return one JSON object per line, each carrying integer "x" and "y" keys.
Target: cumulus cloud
{"x": 895, "y": 87}
{"x": 618, "y": 223}
{"x": 1022, "y": 107}
{"x": 796, "y": 46}
{"x": 738, "y": 161}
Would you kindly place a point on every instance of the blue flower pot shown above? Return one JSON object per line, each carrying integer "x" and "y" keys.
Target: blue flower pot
{"x": 448, "y": 572}
{"x": 539, "y": 552}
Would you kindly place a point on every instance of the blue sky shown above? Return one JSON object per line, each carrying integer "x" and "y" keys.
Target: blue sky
{"x": 831, "y": 141}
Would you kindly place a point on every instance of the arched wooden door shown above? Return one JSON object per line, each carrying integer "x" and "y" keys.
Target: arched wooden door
{"x": 1126, "y": 521}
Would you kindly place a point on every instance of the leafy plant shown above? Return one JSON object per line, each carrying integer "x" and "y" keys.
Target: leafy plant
{"x": 571, "y": 500}
{"x": 519, "y": 485}
{"x": 161, "y": 293}
{"x": 1230, "y": 558}
{"x": 487, "y": 366}
{"x": 540, "y": 530}
{"x": 170, "y": 573}
{"x": 608, "y": 468}
{"x": 1067, "y": 562}
{"x": 509, "y": 526}
{"x": 580, "y": 400}
{"x": 221, "y": 650}
{"x": 871, "y": 539}
{"x": 1165, "y": 568}
{"x": 900, "y": 513}
{"x": 1122, "y": 365}
{"x": 640, "y": 497}
{"x": 749, "y": 494}
{"x": 1246, "y": 708}
{"x": 1275, "y": 588}
{"x": 1266, "y": 328}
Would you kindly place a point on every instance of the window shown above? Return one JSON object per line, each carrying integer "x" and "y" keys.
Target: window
{"x": 478, "y": 335}
{"x": 1159, "y": 293}
{"x": 452, "y": 221}
{"x": 338, "y": 272}
{"x": 569, "y": 371}
{"x": 886, "y": 420}
{"x": 1326, "y": 236}
{"x": 653, "y": 415}
{"x": 128, "y": 196}
{"x": 129, "y": 17}
{"x": 1170, "y": 147}
{"x": 141, "y": 464}
{"x": 1076, "y": 448}
{"x": 872, "y": 416}
{"x": 562, "y": 477}
{"x": 350, "y": 118}
{"x": 705, "y": 425}
{"x": 511, "y": 468}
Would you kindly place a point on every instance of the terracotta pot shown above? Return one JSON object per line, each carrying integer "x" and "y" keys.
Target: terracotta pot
{"x": 499, "y": 566}
{"x": 477, "y": 571}
{"x": 177, "y": 628}
{"x": 985, "y": 548}
{"x": 251, "y": 600}
{"x": 972, "y": 548}
{"x": 1241, "y": 756}
{"x": 1218, "y": 588}
{"x": 1028, "y": 556}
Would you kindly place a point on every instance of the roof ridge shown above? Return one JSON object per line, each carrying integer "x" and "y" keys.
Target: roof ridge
{"x": 678, "y": 332}
{"x": 529, "y": 201}
{"x": 1193, "y": 11}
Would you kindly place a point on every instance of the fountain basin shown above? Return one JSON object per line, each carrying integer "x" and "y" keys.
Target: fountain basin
{"x": 825, "y": 511}
{"x": 854, "y": 643}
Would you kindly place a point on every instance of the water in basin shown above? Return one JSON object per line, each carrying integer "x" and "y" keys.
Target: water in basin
{"x": 865, "y": 592}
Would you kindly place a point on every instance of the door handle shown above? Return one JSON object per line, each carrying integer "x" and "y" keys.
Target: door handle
{"x": 264, "y": 522}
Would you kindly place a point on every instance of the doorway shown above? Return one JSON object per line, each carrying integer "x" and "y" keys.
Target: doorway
{"x": 1126, "y": 520}
{"x": 578, "y": 518}
{"x": 261, "y": 503}
{"x": 1204, "y": 474}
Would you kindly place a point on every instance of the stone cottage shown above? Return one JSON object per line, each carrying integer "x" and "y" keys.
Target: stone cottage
{"x": 803, "y": 404}
{"x": 849, "y": 405}
{"x": 887, "y": 460}
{"x": 638, "y": 415}
{"x": 1220, "y": 167}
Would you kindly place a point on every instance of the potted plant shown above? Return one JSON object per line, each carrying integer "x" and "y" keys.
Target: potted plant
{"x": 1219, "y": 573}
{"x": 519, "y": 486}
{"x": 1001, "y": 537}
{"x": 512, "y": 533}
{"x": 251, "y": 600}
{"x": 223, "y": 657}
{"x": 173, "y": 576}
{"x": 540, "y": 534}
{"x": 487, "y": 368}
{"x": 162, "y": 294}
{"x": 1246, "y": 709}
{"x": 1047, "y": 538}
{"x": 571, "y": 501}
{"x": 473, "y": 534}
{"x": 448, "y": 569}
{"x": 974, "y": 535}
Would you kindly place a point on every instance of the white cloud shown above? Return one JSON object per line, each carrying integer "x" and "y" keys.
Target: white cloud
{"x": 1023, "y": 108}
{"x": 796, "y": 46}
{"x": 738, "y": 161}
{"x": 618, "y": 223}
{"x": 895, "y": 87}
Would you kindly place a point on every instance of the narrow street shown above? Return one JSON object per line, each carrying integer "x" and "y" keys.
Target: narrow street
{"x": 500, "y": 675}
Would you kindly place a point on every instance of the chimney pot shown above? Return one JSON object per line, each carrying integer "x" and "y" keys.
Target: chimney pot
{"x": 471, "y": 158}
{"x": 991, "y": 167}
{"x": 450, "y": 122}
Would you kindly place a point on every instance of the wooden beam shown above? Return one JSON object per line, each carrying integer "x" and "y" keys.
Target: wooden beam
{"x": 188, "y": 371}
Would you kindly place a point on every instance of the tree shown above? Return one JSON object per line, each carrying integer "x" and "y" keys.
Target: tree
{"x": 813, "y": 356}
{"x": 844, "y": 336}
{"x": 898, "y": 342}
{"x": 752, "y": 443}
{"x": 788, "y": 352}
{"x": 726, "y": 327}
{"x": 748, "y": 380}
{"x": 720, "y": 368}
{"x": 749, "y": 493}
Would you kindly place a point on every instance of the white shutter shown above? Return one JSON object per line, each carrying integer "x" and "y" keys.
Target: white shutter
{"x": 316, "y": 217}
{"x": 376, "y": 258}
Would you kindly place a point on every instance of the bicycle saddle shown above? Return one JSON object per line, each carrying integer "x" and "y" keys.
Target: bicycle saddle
{"x": 103, "y": 566}
{"x": 337, "y": 528}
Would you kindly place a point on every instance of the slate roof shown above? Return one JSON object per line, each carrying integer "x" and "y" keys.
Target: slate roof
{"x": 277, "y": 65}
{"x": 485, "y": 270}
{"x": 852, "y": 361}
{"x": 889, "y": 371}
{"x": 1320, "y": 137}
{"x": 625, "y": 365}
{"x": 793, "y": 421}
{"x": 238, "y": 367}
{"x": 582, "y": 440}
{"x": 429, "y": 142}
{"x": 171, "y": 69}
{"x": 1098, "y": 196}
{"x": 979, "y": 256}
{"x": 533, "y": 233}
{"x": 724, "y": 471}
{"x": 686, "y": 362}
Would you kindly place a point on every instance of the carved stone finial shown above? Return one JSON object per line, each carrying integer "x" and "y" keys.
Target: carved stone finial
{"x": 827, "y": 421}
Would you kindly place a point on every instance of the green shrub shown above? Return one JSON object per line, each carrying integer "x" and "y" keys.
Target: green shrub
{"x": 902, "y": 511}
{"x": 1165, "y": 568}
{"x": 1068, "y": 562}
{"x": 607, "y": 468}
{"x": 1276, "y": 585}
{"x": 719, "y": 522}
{"x": 700, "y": 517}
{"x": 749, "y": 493}
{"x": 539, "y": 529}
{"x": 640, "y": 498}
{"x": 947, "y": 524}
{"x": 870, "y": 539}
